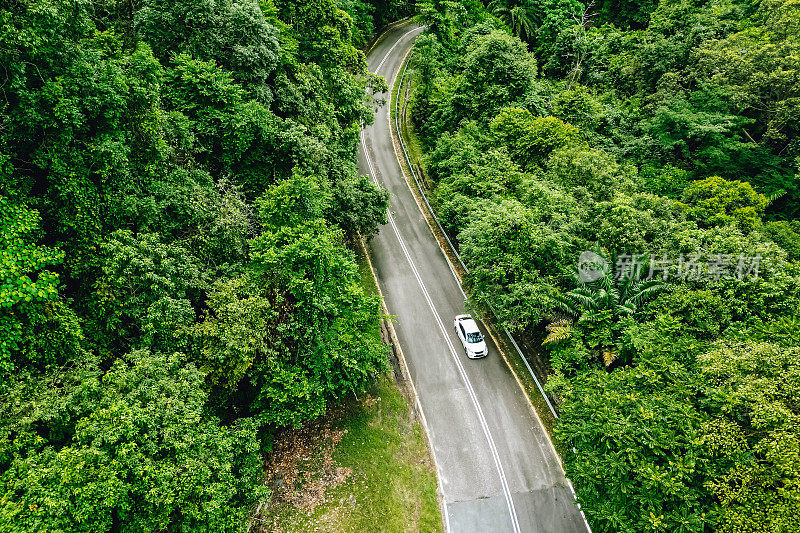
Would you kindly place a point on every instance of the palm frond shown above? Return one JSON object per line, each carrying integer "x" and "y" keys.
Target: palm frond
{"x": 613, "y": 295}
{"x": 776, "y": 195}
{"x": 583, "y": 299}
{"x": 607, "y": 281}
{"x": 626, "y": 287}
{"x": 499, "y": 9}
{"x": 609, "y": 355}
{"x": 584, "y": 291}
{"x": 521, "y": 23}
{"x": 626, "y": 309}
{"x": 558, "y": 331}
{"x": 646, "y": 291}
{"x": 496, "y": 4}
{"x": 566, "y": 305}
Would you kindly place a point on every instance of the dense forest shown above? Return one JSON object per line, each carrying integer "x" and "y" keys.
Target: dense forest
{"x": 178, "y": 191}
{"x": 620, "y": 178}
{"x": 179, "y": 194}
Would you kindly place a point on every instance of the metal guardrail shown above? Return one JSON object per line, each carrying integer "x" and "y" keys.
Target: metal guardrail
{"x": 449, "y": 242}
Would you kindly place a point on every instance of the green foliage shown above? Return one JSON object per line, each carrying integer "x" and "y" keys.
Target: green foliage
{"x": 468, "y": 174}
{"x": 135, "y": 142}
{"x": 530, "y": 140}
{"x": 756, "y": 68}
{"x": 297, "y": 327}
{"x": 497, "y": 72}
{"x": 630, "y": 13}
{"x": 512, "y": 260}
{"x": 686, "y": 130}
{"x": 675, "y": 392}
{"x": 358, "y": 207}
{"x": 363, "y": 15}
{"x": 448, "y": 18}
{"x": 621, "y": 227}
{"x": 715, "y": 200}
{"x": 701, "y": 313}
{"x": 640, "y": 419}
{"x": 752, "y": 436}
{"x": 140, "y": 451}
{"x": 733, "y": 433}
{"x": 578, "y": 106}
{"x": 26, "y": 284}
{"x": 517, "y": 18}
{"x": 786, "y": 233}
{"x": 144, "y": 293}
{"x": 593, "y": 170}
{"x": 601, "y": 308}
{"x": 236, "y": 35}
{"x": 668, "y": 181}
{"x": 537, "y": 22}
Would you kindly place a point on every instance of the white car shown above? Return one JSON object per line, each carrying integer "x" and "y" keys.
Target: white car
{"x": 471, "y": 337}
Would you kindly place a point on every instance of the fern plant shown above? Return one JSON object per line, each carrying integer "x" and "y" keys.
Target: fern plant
{"x": 558, "y": 331}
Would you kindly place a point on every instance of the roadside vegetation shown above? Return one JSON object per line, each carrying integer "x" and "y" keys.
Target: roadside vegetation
{"x": 366, "y": 469}
{"x": 178, "y": 188}
{"x": 620, "y": 179}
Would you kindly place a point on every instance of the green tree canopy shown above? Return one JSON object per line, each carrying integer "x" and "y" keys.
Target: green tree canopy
{"x": 136, "y": 140}
{"x": 497, "y": 72}
{"x": 716, "y": 200}
{"x": 141, "y": 452}
{"x": 298, "y": 328}
{"x": 531, "y": 139}
{"x": 26, "y": 282}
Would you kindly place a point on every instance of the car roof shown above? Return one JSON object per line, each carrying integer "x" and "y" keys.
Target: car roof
{"x": 469, "y": 325}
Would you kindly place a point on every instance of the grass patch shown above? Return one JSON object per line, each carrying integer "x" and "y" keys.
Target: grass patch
{"x": 412, "y": 141}
{"x": 373, "y": 455}
{"x": 367, "y": 279}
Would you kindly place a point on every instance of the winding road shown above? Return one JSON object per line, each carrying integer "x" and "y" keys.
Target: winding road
{"x": 497, "y": 468}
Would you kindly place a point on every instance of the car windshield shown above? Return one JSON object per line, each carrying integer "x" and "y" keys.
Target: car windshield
{"x": 474, "y": 337}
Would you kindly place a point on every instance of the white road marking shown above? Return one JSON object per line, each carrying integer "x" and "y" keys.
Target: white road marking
{"x": 470, "y": 389}
{"x": 458, "y": 283}
{"x": 411, "y": 168}
{"x": 395, "y": 46}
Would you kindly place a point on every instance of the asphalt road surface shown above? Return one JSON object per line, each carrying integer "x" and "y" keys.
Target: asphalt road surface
{"x": 496, "y": 466}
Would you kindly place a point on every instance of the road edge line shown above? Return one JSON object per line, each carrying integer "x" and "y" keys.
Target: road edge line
{"x": 387, "y": 320}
